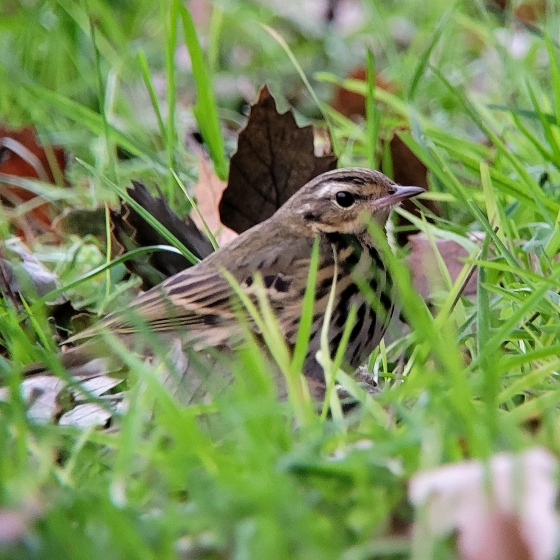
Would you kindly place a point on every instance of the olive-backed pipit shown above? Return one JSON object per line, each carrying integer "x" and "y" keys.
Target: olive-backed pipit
{"x": 198, "y": 304}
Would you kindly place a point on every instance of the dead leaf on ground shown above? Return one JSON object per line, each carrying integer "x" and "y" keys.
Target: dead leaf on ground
{"x": 15, "y": 522}
{"x": 274, "y": 158}
{"x": 86, "y": 415}
{"x": 24, "y": 275}
{"x": 22, "y": 156}
{"x": 25, "y": 278}
{"x": 130, "y": 231}
{"x": 208, "y": 191}
{"x": 352, "y": 104}
{"x": 427, "y": 277}
{"x": 526, "y": 12}
{"x": 502, "y": 509}
{"x": 40, "y": 394}
{"x": 409, "y": 170}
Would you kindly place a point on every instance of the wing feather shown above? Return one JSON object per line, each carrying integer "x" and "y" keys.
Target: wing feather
{"x": 199, "y": 299}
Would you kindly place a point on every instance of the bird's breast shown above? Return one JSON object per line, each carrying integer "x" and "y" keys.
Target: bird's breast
{"x": 363, "y": 283}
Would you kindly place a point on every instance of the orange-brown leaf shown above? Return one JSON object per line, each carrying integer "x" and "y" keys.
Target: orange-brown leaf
{"x": 22, "y": 156}
{"x": 208, "y": 191}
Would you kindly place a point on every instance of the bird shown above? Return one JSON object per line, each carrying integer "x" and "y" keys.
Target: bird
{"x": 198, "y": 305}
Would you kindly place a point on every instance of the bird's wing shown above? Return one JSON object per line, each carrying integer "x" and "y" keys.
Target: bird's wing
{"x": 199, "y": 299}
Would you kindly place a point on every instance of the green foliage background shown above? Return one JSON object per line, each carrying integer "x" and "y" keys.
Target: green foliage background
{"x": 479, "y": 93}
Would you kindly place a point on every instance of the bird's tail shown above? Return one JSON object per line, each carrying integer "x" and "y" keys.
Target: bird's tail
{"x": 80, "y": 362}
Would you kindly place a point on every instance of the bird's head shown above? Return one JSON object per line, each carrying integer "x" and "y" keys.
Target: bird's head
{"x": 344, "y": 200}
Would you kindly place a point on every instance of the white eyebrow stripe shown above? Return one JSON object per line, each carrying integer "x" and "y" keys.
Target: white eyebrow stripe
{"x": 325, "y": 189}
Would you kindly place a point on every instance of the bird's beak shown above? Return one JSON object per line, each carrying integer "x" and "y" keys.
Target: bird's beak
{"x": 398, "y": 195}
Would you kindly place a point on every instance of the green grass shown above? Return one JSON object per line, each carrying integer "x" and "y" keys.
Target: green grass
{"x": 246, "y": 476}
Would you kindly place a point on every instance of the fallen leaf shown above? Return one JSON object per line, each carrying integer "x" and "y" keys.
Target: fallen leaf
{"x": 423, "y": 263}
{"x": 40, "y": 394}
{"x": 409, "y": 170}
{"x": 208, "y": 191}
{"x": 86, "y": 415}
{"x": 130, "y": 230}
{"x": 526, "y": 12}
{"x": 14, "y": 523}
{"x": 96, "y": 387}
{"x": 25, "y": 276}
{"x": 274, "y": 158}
{"x": 352, "y": 104}
{"x": 22, "y": 156}
{"x": 502, "y": 509}
{"x": 530, "y": 12}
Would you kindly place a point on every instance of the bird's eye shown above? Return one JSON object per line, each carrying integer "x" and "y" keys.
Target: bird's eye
{"x": 344, "y": 199}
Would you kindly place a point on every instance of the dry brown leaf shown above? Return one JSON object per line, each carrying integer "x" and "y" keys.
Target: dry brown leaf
{"x": 423, "y": 264}
{"x": 274, "y": 158}
{"x": 208, "y": 191}
{"x": 14, "y": 523}
{"x": 352, "y": 104}
{"x": 26, "y": 276}
{"x": 530, "y": 12}
{"x": 130, "y": 230}
{"x": 87, "y": 415}
{"x": 409, "y": 170}
{"x": 526, "y": 12}
{"x": 40, "y": 394}
{"x": 22, "y": 156}
{"x": 501, "y": 510}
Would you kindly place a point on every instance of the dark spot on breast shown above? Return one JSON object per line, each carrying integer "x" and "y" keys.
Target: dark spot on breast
{"x": 335, "y": 342}
{"x": 374, "y": 254}
{"x": 372, "y": 323}
{"x": 323, "y": 287}
{"x": 385, "y": 301}
{"x": 336, "y": 239}
{"x": 325, "y": 283}
{"x": 346, "y": 294}
{"x": 356, "y": 355}
{"x": 360, "y": 316}
{"x": 340, "y": 320}
{"x": 269, "y": 280}
{"x": 249, "y": 281}
{"x": 352, "y": 259}
{"x": 291, "y": 334}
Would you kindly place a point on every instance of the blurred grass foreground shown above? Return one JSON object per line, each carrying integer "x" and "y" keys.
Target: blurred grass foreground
{"x": 142, "y": 90}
